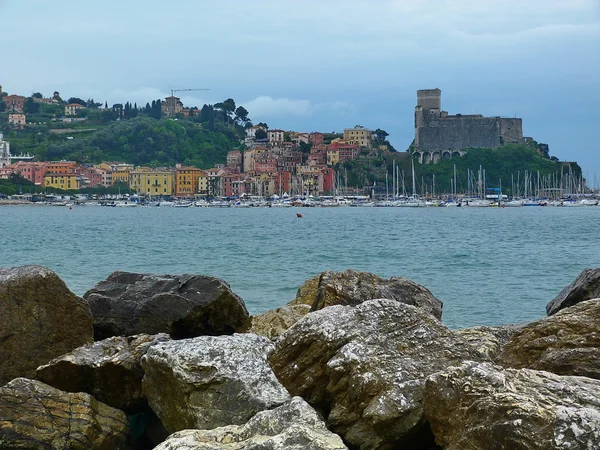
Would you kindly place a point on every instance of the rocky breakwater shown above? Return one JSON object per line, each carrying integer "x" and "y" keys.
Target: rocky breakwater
{"x": 337, "y": 369}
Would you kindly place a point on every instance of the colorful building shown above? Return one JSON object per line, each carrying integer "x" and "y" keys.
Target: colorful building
{"x": 358, "y": 135}
{"x": 153, "y": 183}
{"x": 64, "y": 181}
{"x": 73, "y": 108}
{"x": 17, "y": 120}
{"x": 186, "y": 181}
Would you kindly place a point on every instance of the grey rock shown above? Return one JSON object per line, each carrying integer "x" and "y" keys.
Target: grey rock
{"x": 488, "y": 341}
{"x": 210, "y": 381}
{"x": 365, "y": 367}
{"x": 40, "y": 319}
{"x": 292, "y": 426}
{"x": 566, "y": 343}
{"x": 110, "y": 370}
{"x": 352, "y": 288}
{"x": 36, "y": 416}
{"x": 181, "y": 305}
{"x": 585, "y": 287}
{"x": 482, "y": 406}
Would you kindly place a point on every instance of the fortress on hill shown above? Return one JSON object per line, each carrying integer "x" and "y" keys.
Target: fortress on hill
{"x": 440, "y": 135}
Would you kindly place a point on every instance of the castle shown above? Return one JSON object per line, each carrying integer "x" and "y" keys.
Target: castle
{"x": 440, "y": 135}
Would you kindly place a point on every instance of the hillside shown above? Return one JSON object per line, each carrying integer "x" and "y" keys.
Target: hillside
{"x": 502, "y": 166}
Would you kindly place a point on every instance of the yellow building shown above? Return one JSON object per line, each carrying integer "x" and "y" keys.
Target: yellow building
{"x": 203, "y": 183}
{"x": 358, "y": 135}
{"x": 62, "y": 181}
{"x": 186, "y": 181}
{"x": 120, "y": 176}
{"x": 153, "y": 183}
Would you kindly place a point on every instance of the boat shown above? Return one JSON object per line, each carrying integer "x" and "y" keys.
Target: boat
{"x": 513, "y": 204}
{"x": 126, "y": 204}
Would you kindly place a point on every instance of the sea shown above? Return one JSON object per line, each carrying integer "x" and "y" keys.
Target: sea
{"x": 490, "y": 266}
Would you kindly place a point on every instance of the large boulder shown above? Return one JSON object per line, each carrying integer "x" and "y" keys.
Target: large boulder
{"x": 352, "y": 288}
{"x": 110, "y": 370}
{"x": 40, "y": 319}
{"x": 36, "y": 416}
{"x": 182, "y": 305}
{"x": 274, "y": 323}
{"x": 585, "y": 287}
{"x": 364, "y": 367}
{"x": 488, "y": 340}
{"x": 566, "y": 343}
{"x": 481, "y": 406}
{"x": 210, "y": 381}
{"x": 292, "y": 426}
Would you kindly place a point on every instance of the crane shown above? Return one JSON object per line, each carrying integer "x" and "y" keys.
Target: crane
{"x": 181, "y": 90}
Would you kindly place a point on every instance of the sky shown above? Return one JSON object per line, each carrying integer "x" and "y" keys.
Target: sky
{"x": 324, "y": 65}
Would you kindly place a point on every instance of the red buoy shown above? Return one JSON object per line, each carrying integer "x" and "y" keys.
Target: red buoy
{"x": 299, "y": 215}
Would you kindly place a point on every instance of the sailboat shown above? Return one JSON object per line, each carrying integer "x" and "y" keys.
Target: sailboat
{"x": 413, "y": 201}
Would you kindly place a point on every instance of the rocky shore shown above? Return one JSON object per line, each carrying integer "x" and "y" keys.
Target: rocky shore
{"x": 355, "y": 361}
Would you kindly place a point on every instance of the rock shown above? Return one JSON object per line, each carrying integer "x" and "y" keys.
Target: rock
{"x": 567, "y": 343}
{"x": 585, "y": 287}
{"x": 292, "y": 426}
{"x": 182, "y": 305}
{"x": 488, "y": 341}
{"x": 365, "y": 367}
{"x": 40, "y": 319}
{"x": 272, "y": 324}
{"x": 352, "y": 288}
{"x": 34, "y": 415}
{"x": 208, "y": 382}
{"x": 110, "y": 370}
{"x": 481, "y": 406}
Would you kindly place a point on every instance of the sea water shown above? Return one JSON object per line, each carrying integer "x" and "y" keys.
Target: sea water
{"x": 490, "y": 266}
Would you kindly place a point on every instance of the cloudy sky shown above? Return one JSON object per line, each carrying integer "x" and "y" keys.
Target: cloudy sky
{"x": 324, "y": 64}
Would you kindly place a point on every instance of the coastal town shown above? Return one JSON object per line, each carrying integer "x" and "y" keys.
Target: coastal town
{"x": 290, "y": 167}
{"x": 269, "y": 161}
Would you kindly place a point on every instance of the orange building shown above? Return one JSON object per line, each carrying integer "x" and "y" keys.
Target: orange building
{"x": 186, "y": 180}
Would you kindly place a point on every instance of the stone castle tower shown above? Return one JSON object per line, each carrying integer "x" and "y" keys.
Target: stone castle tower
{"x": 4, "y": 152}
{"x": 440, "y": 135}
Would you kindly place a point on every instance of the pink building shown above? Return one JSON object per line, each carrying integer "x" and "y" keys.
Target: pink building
{"x": 32, "y": 171}
{"x": 316, "y": 138}
{"x": 265, "y": 164}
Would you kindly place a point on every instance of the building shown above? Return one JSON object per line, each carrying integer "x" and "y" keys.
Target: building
{"x": 17, "y": 120}
{"x": 61, "y": 167}
{"x": 440, "y": 135}
{"x": 64, "y": 181}
{"x": 171, "y": 106}
{"x": 31, "y": 171}
{"x": 358, "y": 135}
{"x": 72, "y": 109}
{"x": 316, "y": 138}
{"x": 235, "y": 160}
{"x": 186, "y": 181}
{"x": 5, "y": 156}
{"x": 276, "y": 137}
{"x": 14, "y": 103}
{"x": 153, "y": 183}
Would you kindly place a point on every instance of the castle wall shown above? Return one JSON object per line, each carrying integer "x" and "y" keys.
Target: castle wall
{"x": 457, "y": 132}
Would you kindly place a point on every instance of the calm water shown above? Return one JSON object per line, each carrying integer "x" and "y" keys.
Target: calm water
{"x": 490, "y": 266}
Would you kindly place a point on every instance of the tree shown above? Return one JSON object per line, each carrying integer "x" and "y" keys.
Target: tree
{"x": 30, "y": 106}
{"x": 2, "y": 106}
{"x": 37, "y": 95}
{"x": 241, "y": 115}
{"x": 260, "y": 134}
{"x": 263, "y": 124}
{"x": 92, "y": 104}
{"x": 77, "y": 100}
{"x": 56, "y": 96}
{"x": 380, "y": 135}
